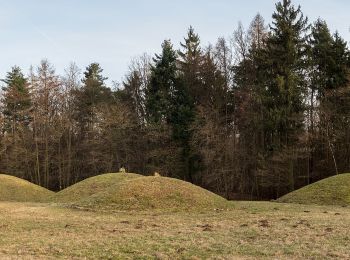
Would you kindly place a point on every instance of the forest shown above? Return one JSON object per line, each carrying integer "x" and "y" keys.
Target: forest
{"x": 252, "y": 116}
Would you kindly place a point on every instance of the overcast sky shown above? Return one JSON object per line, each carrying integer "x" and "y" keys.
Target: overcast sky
{"x": 111, "y": 32}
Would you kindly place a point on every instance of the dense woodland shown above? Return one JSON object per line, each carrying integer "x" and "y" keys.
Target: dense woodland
{"x": 255, "y": 115}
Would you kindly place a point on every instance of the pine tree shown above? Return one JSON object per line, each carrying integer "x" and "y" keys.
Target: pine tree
{"x": 330, "y": 63}
{"x": 92, "y": 93}
{"x": 162, "y": 153}
{"x": 16, "y": 133}
{"x": 286, "y": 49}
{"x": 321, "y": 57}
{"x": 190, "y": 60}
{"x": 16, "y": 100}
{"x": 190, "y": 65}
{"x": 285, "y": 91}
{"x": 337, "y": 102}
{"x": 320, "y": 46}
{"x": 181, "y": 118}
{"x": 168, "y": 104}
{"x": 91, "y": 101}
{"x": 340, "y": 68}
{"x": 162, "y": 85}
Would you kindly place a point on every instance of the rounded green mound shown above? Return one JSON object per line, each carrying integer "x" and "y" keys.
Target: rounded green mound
{"x": 17, "y": 190}
{"x": 90, "y": 186}
{"x": 153, "y": 193}
{"x": 331, "y": 191}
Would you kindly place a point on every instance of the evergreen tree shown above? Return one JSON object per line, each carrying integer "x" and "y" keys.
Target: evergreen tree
{"x": 286, "y": 51}
{"x": 320, "y": 48}
{"x": 169, "y": 104}
{"x": 161, "y": 158}
{"x": 330, "y": 63}
{"x": 93, "y": 93}
{"x": 340, "y": 65}
{"x": 162, "y": 84}
{"x": 285, "y": 91}
{"x": 91, "y": 102}
{"x": 16, "y": 133}
{"x": 321, "y": 57}
{"x": 16, "y": 100}
{"x": 190, "y": 60}
{"x": 181, "y": 118}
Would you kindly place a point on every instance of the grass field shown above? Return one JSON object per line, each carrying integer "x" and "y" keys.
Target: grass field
{"x": 127, "y": 216}
{"x": 16, "y": 189}
{"x": 93, "y": 185}
{"x": 247, "y": 230}
{"x": 331, "y": 191}
{"x": 151, "y": 193}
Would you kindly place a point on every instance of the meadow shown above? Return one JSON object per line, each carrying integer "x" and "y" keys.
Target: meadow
{"x": 57, "y": 229}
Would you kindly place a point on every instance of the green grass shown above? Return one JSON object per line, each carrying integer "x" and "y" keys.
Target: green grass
{"x": 152, "y": 193}
{"x": 127, "y": 216}
{"x": 247, "y": 230}
{"x": 331, "y": 191}
{"x": 15, "y": 189}
{"x": 93, "y": 185}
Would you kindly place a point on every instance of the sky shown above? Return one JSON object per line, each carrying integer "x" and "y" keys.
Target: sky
{"x": 112, "y": 32}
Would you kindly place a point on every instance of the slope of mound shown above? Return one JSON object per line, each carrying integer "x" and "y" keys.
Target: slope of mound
{"x": 154, "y": 193}
{"x": 331, "y": 191}
{"x": 92, "y": 186}
{"x": 16, "y": 189}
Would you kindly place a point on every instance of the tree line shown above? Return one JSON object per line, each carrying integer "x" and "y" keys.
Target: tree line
{"x": 255, "y": 116}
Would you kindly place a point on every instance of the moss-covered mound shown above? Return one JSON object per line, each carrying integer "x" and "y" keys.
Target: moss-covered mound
{"x": 153, "y": 193}
{"x": 18, "y": 190}
{"x": 331, "y": 191}
{"x": 93, "y": 185}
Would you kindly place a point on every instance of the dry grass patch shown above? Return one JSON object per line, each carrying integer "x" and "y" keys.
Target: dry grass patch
{"x": 249, "y": 230}
{"x": 331, "y": 191}
{"x": 93, "y": 185}
{"x": 153, "y": 193}
{"x": 15, "y": 189}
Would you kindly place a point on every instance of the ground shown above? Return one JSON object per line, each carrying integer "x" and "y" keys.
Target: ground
{"x": 16, "y": 189}
{"x": 247, "y": 230}
{"x": 331, "y": 191}
{"x": 91, "y": 186}
{"x": 152, "y": 193}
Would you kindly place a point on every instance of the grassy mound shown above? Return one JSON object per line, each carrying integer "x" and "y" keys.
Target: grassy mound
{"x": 153, "y": 193}
{"x": 331, "y": 191}
{"x": 90, "y": 186}
{"x": 18, "y": 190}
